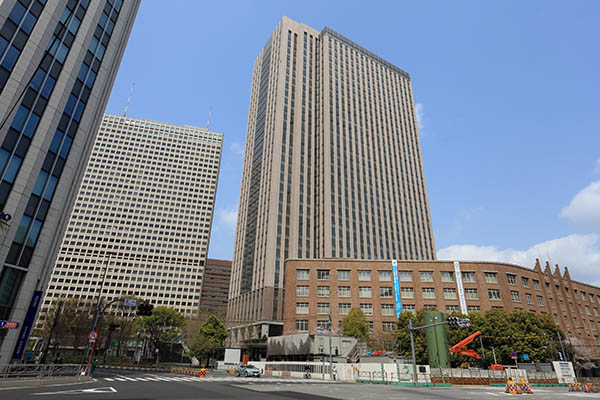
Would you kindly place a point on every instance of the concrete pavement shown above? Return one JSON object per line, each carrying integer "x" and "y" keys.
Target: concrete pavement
{"x": 130, "y": 385}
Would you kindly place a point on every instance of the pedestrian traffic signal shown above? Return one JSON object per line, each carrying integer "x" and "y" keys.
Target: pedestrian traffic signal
{"x": 145, "y": 308}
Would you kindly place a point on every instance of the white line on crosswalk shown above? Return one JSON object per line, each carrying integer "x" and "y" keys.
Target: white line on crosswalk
{"x": 230, "y": 379}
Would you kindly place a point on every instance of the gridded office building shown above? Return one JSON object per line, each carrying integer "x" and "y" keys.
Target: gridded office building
{"x": 58, "y": 61}
{"x": 332, "y": 167}
{"x": 143, "y": 215}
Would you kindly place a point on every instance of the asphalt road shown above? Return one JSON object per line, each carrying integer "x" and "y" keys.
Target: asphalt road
{"x": 130, "y": 385}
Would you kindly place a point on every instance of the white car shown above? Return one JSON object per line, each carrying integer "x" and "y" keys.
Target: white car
{"x": 247, "y": 370}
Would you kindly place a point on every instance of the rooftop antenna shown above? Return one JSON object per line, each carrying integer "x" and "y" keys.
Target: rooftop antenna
{"x": 208, "y": 121}
{"x": 128, "y": 100}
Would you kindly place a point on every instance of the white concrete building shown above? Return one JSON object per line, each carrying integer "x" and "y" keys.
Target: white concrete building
{"x": 143, "y": 214}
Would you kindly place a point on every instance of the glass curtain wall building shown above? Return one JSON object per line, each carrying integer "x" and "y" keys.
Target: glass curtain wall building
{"x": 332, "y": 168}
{"x": 144, "y": 213}
{"x": 58, "y": 61}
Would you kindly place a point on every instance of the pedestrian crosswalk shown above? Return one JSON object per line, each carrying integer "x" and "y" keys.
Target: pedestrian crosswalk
{"x": 229, "y": 379}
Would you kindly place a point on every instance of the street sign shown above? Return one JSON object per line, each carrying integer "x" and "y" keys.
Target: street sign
{"x": 130, "y": 302}
{"x": 513, "y": 355}
{"x": 525, "y": 357}
{"x": 8, "y": 324}
{"x": 93, "y": 336}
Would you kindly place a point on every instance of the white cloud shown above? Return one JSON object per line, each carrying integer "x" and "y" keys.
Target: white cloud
{"x": 579, "y": 252}
{"x": 419, "y": 110}
{"x": 584, "y": 208}
{"x": 236, "y": 148}
{"x": 227, "y": 218}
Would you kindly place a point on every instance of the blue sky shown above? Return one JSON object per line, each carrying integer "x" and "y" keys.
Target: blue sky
{"x": 507, "y": 93}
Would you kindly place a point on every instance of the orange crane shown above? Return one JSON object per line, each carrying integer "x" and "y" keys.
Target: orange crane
{"x": 459, "y": 347}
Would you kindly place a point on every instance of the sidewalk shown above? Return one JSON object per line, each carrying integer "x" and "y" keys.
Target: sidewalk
{"x": 36, "y": 382}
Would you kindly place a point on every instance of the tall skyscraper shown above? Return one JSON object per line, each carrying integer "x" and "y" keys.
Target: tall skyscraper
{"x": 58, "y": 61}
{"x": 142, "y": 216}
{"x": 332, "y": 168}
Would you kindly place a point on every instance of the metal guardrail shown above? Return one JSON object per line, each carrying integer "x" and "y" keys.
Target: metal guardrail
{"x": 29, "y": 371}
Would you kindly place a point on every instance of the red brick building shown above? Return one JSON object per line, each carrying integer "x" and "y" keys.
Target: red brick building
{"x": 314, "y": 288}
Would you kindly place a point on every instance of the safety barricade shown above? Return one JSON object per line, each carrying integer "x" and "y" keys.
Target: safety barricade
{"x": 364, "y": 377}
{"x": 379, "y": 377}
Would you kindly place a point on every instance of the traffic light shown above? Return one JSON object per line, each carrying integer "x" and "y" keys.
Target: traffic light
{"x": 456, "y": 322}
{"x": 453, "y": 322}
{"x": 145, "y": 308}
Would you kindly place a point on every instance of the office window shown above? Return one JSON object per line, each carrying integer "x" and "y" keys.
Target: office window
{"x": 344, "y": 308}
{"x": 471, "y": 294}
{"x": 407, "y": 293}
{"x": 322, "y": 308}
{"x": 302, "y": 291}
{"x": 322, "y": 324}
{"x": 494, "y": 294}
{"x": 491, "y": 277}
{"x": 540, "y": 300}
{"x": 301, "y": 324}
{"x": 447, "y": 276}
{"x": 343, "y": 291}
{"x": 449, "y": 293}
{"x": 473, "y": 308}
{"x": 364, "y": 275}
{"x": 426, "y": 276}
{"x": 529, "y": 298}
{"x": 302, "y": 274}
{"x": 409, "y": 307}
{"x": 323, "y": 274}
{"x": 301, "y": 308}
{"x": 583, "y": 296}
{"x": 587, "y": 310}
{"x": 385, "y": 276}
{"x": 596, "y": 312}
{"x": 322, "y": 291}
{"x": 388, "y": 309}
{"x": 405, "y": 276}
{"x": 386, "y": 292}
{"x": 525, "y": 282}
{"x": 388, "y": 326}
{"x": 343, "y": 275}
{"x": 367, "y": 309}
{"x": 364, "y": 291}
{"x": 428, "y": 293}
{"x": 451, "y": 308}
{"x": 468, "y": 277}
{"x": 515, "y": 296}
{"x": 562, "y": 305}
{"x": 591, "y": 298}
{"x": 536, "y": 284}
{"x": 512, "y": 279}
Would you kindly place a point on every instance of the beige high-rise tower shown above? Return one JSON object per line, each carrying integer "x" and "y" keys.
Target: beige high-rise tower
{"x": 332, "y": 168}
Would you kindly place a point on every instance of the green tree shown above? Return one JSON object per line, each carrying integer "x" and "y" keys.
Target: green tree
{"x": 162, "y": 327}
{"x": 354, "y": 324}
{"x": 403, "y": 347}
{"x": 210, "y": 336}
{"x": 520, "y": 331}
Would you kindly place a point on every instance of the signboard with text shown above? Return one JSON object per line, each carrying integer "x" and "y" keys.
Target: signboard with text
{"x": 396, "y": 288}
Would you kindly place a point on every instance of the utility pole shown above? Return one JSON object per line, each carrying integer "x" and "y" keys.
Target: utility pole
{"x": 481, "y": 344}
{"x": 330, "y": 348}
{"x": 56, "y": 318}
{"x": 414, "y": 359}
{"x": 99, "y": 303}
{"x": 494, "y": 353}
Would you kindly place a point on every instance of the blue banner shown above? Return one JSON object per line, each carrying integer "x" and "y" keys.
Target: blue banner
{"x": 27, "y": 324}
{"x": 396, "y": 288}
